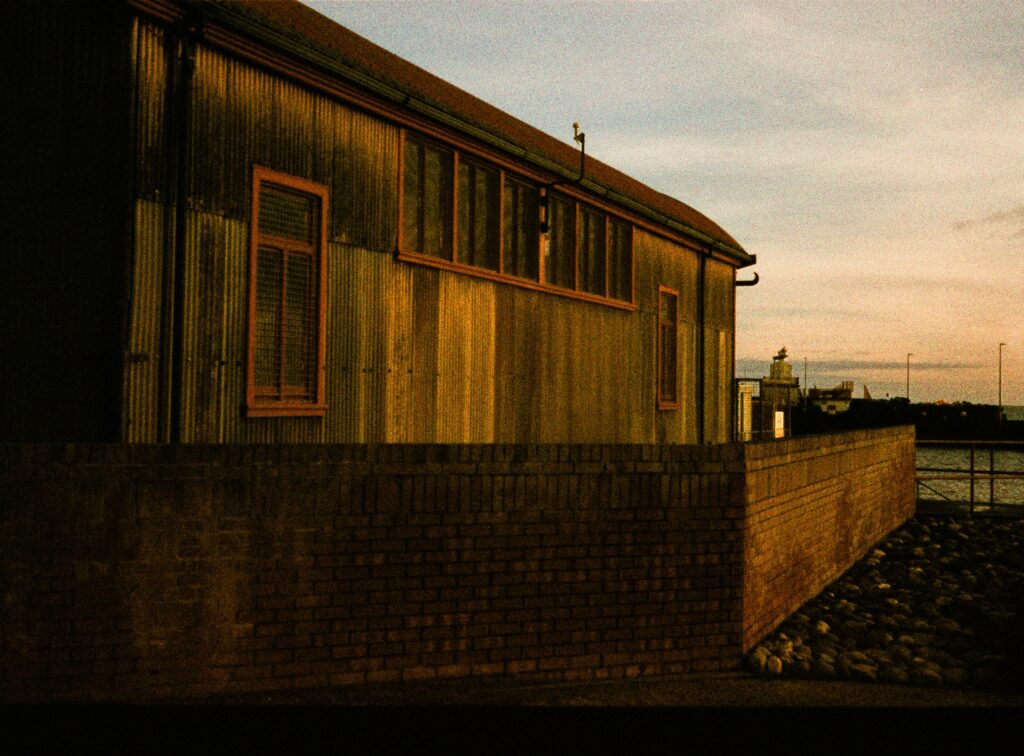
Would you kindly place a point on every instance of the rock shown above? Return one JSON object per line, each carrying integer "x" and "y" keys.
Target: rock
{"x": 857, "y": 657}
{"x": 923, "y": 600}
{"x": 901, "y": 652}
{"x": 821, "y": 669}
{"x": 925, "y": 676}
{"x": 865, "y": 672}
{"x": 856, "y": 628}
{"x": 758, "y": 658}
{"x": 954, "y": 676}
{"x": 879, "y": 657}
{"x": 983, "y": 675}
{"x": 893, "y": 675}
{"x": 993, "y": 660}
{"x": 947, "y": 625}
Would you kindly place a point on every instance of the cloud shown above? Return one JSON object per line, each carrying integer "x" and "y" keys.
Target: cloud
{"x": 750, "y": 364}
{"x": 1013, "y": 216}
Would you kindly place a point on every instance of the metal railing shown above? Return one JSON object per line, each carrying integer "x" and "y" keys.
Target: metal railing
{"x": 976, "y": 474}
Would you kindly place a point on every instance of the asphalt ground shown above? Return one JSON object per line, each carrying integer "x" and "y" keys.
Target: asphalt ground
{"x": 733, "y": 689}
{"x": 715, "y": 713}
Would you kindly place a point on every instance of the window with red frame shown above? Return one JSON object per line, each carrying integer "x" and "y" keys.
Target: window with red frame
{"x": 286, "y": 295}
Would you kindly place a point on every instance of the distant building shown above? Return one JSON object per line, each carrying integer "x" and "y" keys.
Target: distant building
{"x": 780, "y": 388}
{"x": 766, "y": 413}
{"x": 833, "y": 400}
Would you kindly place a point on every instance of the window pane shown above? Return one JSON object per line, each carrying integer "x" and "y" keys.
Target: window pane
{"x": 268, "y": 316}
{"x": 412, "y": 193}
{"x": 668, "y": 311}
{"x": 286, "y": 214}
{"x": 427, "y": 199}
{"x": 299, "y": 325}
{"x": 668, "y": 363}
{"x": 521, "y": 222}
{"x": 592, "y": 252}
{"x": 668, "y": 307}
{"x": 478, "y": 216}
{"x": 560, "y": 256}
{"x": 437, "y": 203}
{"x": 620, "y": 260}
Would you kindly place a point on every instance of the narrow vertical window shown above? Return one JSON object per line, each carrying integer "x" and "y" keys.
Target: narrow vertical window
{"x": 427, "y": 199}
{"x": 521, "y": 228}
{"x": 592, "y": 252}
{"x": 668, "y": 344}
{"x": 286, "y": 294}
{"x": 560, "y": 253}
{"x": 620, "y": 260}
{"x": 479, "y": 216}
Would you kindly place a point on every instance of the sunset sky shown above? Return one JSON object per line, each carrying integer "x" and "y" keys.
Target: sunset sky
{"x": 871, "y": 155}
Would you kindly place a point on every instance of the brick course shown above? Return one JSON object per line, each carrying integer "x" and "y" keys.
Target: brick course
{"x": 141, "y": 572}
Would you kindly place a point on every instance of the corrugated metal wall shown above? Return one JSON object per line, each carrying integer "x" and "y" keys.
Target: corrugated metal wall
{"x": 412, "y": 354}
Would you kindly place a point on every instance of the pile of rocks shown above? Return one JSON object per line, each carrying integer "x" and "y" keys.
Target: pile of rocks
{"x": 939, "y": 602}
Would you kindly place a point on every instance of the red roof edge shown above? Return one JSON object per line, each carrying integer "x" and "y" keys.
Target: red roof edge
{"x": 304, "y": 25}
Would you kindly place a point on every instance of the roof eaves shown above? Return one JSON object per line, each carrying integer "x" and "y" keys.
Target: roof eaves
{"x": 265, "y": 31}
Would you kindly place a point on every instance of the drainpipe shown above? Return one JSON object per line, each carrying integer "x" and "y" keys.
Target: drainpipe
{"x": 192, "y": 29}
{"x": 701, "y": 382}
{"x": 734, "y": 393}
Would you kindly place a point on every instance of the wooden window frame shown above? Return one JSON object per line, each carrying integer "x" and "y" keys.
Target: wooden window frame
{"x": 456, "y": 266}
{"x": 663, "y": 403}
{"x": 260, "y": 406}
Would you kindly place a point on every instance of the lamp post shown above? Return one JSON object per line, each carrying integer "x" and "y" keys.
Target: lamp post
{"x": 999, "y": 416}
{"x": 909, "y": 355}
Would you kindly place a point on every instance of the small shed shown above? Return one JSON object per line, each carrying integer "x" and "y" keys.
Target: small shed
{"x": 235, "y": 222}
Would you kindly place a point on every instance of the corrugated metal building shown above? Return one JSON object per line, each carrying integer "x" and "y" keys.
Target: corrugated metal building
{"x": 240, "y": 222}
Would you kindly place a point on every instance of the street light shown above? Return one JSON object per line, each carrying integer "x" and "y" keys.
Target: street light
{"x": 909, "y": 355}
{"x": 999, "y": 416}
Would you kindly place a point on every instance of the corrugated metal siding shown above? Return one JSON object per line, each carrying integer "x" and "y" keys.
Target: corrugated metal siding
{"x": 142, "y": 369}
{"x": 241, "y": 117}
{"x": 150, "y": 69}
{"x": 660, "y": 262}
{"x": 719, "y": 326}
{"x": 412, "y": 354}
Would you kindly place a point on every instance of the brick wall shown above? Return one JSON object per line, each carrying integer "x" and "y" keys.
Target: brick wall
{"x": 147, "y": 571}
{"x": 814, "y": 506}
{"x": 141, "y": 572}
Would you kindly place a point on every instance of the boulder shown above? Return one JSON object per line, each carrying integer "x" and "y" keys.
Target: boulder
{"x": 925, "y": 676}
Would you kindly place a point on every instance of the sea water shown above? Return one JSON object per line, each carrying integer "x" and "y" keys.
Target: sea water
{"x": 958, "y": 458}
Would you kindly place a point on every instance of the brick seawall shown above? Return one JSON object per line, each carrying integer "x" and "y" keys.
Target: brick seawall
{"x": 141, "y": 572}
